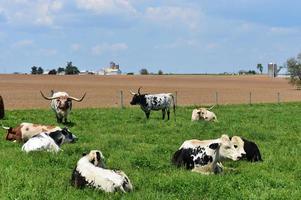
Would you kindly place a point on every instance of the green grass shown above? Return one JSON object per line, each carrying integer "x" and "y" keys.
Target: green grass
{"x": 142, "y": 149}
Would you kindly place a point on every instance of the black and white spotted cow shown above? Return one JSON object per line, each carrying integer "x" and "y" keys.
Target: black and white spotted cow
{"x": 90, "y": 171}
{"x": 251, "y": 149}
{"x": 205, "y": 156}
{"x": 156, "y": 102}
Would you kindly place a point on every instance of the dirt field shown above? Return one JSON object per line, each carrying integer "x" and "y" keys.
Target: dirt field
{"x": 22, "y": 91}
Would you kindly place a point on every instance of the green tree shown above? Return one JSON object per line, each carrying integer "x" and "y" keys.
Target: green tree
{"x": 260, "y": 67}
{"x": 160, "y": 72}
{"x": 34, "y": 70}
{"x": 40, "y": 70}
{"x": 71, "y": 69}
{"x": 53, "y": 71}
{"x": 60, "y": 69}
{"x": 294, "y": 69}
{"x": 144, "y": 71}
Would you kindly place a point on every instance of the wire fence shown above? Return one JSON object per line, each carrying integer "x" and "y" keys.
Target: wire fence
{"x": 182, "y": 98}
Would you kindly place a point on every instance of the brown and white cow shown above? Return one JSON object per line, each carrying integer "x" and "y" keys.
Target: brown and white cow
{"x": 203, "y": 114}
{"x": 61, "y": 104}
{"x": 25, "y": 131}
{"x": 205, "y": 156}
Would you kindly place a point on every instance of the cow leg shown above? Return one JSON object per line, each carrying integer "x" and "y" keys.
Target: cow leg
{"x": 163, "y": 114}
{"x": 58, "y": 119}
{"x": 168, "y": 113}
{"x": 147, "y": 114}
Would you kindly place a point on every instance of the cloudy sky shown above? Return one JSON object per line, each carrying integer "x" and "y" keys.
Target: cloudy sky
{"x": 179, "y": 36}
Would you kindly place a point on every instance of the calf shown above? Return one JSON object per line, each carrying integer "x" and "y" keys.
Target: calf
{"x": 90, "y": 171}
{"x": 156, "y": 102}
{"x": 205, "y": 156}
{"x": 25, "y": 131}
{"x": 203, "y": 114}
{"x": 49, "y": 141}
{"x": 61, "y": 104}
{"x": 251, "y": 149}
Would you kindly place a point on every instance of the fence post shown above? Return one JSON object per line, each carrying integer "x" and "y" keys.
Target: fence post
{"x": 121, "y": 99}
{"x": 216, "y": 98}
{"x": 176, "y": 98}
{"x": 278, "y": 97}
{"x": 250, "y": 98}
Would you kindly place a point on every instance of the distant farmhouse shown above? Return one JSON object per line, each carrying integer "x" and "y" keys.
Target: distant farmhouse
{"x": 112, "y": 70}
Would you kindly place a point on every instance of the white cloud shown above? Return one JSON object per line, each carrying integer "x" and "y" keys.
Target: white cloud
{"x": 22, "y": 43}
{"x": 179, "y": 43}
{"x": 107, "y": 6}
{"x": 111, "y": 48}
{"x": 48, "y": 52}
{"x": 75, "y": 47}
{"x": 36, "y": 12}
{"x": 174, "y": 16}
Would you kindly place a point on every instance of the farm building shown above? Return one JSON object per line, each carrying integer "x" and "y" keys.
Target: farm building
{"x": 112, "y": 70}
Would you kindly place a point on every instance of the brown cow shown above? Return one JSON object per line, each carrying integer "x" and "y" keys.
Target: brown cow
{"x": 25, "y": 131}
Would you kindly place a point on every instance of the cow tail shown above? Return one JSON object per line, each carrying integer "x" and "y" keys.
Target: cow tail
{"x": 174, "y": 106}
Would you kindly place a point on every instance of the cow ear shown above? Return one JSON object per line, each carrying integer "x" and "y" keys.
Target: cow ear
{"x": 213, "y": 146}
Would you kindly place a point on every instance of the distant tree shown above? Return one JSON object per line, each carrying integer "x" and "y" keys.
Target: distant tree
{"x": 34, "y": 70}
{"x": 294, "y": 69}
{"x": 71, "y": 69}
{"x": 144, "y": 71}
{"x": 40, "y": 70}
{"x": 60, "y": 69}
{"x": 53, "y": 72}
{"x": 251, "y": 72}
{"x": 260, "y": 67}
{"x": 160, "y": 72}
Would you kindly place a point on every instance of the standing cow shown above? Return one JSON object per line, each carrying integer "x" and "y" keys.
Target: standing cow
{"x": 61, "y": 104}
{"x": 156, "y": 102}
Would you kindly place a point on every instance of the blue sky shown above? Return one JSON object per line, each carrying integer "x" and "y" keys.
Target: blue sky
{"x": 196, "y": 36}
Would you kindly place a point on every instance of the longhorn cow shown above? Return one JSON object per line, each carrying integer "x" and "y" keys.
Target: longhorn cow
{"x": 156, "y": 102}
{"x": 61, "y": 104}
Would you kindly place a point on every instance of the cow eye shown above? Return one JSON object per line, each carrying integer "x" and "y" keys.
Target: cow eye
{"x": 235, "y": 146}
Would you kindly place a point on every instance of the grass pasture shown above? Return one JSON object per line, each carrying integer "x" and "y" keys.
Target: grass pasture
{"x": 142, "y": 149}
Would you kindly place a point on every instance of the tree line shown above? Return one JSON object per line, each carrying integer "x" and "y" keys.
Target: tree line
{"x": 69, "y": 69}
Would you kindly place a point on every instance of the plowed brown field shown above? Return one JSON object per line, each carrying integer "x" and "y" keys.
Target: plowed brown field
{"x": 22, "y": 91}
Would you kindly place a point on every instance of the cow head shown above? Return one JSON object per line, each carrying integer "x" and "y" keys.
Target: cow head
{"x": 202, "y": 112}
{"x": 96, "y": 158}
{"x": 137, "y": 98}
{"x": 13, "y": 134}
{"x": 64, "y": 101}
{"x": 226, "y": 149}
{"x": 63, "y": 136}
{"x": 238, "y": 145}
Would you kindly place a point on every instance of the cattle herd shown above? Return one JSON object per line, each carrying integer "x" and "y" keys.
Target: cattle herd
{"x": 202, "y": 156}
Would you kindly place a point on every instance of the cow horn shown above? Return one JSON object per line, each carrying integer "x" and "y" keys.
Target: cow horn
{"x": 76, "y": 99}
{"x": 5, "y": 127}
{"x": 133, "y": 93}
{"x": 211, "y": 107}
{"x": 47, "y": 98}
{"x": 139, "y": 90}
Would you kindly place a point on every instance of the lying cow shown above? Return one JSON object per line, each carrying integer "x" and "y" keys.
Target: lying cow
{"x": 25, "y": 131}
{"x": 156, "y": 102}
{"x": 203, "y": 114}
{"x": 49, "y": 141}
{"x": 251, "y": 149}
{"x": 61, "y": 104}
{"x": 90, "y": 171}
{"x": 205, "y": 156}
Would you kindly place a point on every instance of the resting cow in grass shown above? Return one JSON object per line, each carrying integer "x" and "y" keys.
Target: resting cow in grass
{"x": 61, "y": 104}
{"x": 49, "y": 141}
{"x": 156, "y": 102}
{"x": 25, "y": 131}
{"x": 90, "y": 171}
{"x": 251, "y": 149}
{"x": 205, "y": 156}
{"x": 203, "y": 114}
